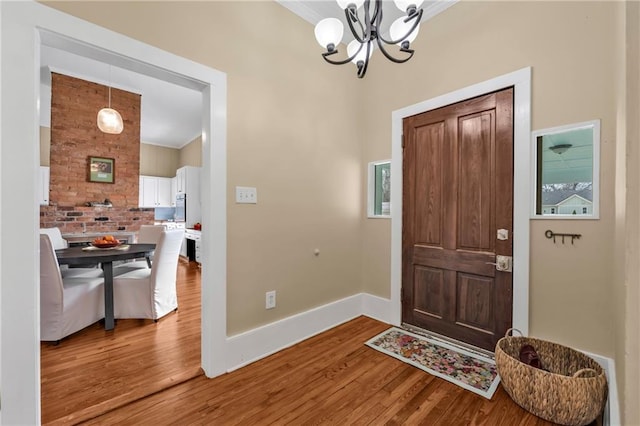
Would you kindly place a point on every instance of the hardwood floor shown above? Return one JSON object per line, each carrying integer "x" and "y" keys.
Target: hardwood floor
{"x": 331, "y": 378}
{"x": 93, "y": 371}
{"x": 101, "y": 378}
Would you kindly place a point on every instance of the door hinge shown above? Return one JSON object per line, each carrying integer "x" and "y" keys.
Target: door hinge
{"x": 402, "y": 138}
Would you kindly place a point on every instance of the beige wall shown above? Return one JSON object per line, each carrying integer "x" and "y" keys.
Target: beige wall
{"x": 290, "y": 134}
{"x": 628, "y": 271}
{"x": 191, "y": 153}
{"x": 572, "y": 48}
{"x": 158, "y": 160}
{"x": 162, "y": 161}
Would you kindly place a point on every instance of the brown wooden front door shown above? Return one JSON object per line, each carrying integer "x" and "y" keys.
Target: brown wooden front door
{"x": 457, "y": 194}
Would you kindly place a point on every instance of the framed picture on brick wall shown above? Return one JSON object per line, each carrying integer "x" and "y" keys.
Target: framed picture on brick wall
{"x": 101, "y": 169}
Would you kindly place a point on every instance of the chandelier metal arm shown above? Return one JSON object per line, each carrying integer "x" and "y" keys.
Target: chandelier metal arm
{"x": 363, "y": 65}
{"x": 404, "y": 48}
{"x": 352, "y": 17}
{"x": 326, "y": 55}
{"x": 377, "y": 13}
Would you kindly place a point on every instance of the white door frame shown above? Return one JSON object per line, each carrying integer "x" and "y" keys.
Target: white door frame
{"x": 25, "y": 26}
{"x": 521, "y": 81}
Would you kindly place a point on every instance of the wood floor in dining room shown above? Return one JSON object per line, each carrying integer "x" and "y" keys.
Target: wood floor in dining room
{"x": 146, "y": 373}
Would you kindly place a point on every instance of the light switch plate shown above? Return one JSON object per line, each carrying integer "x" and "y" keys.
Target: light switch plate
{"x": 246, "y": 195}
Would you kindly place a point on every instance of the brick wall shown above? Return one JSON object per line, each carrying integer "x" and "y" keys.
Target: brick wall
{"x": 74, "y": 138}
{"x": 75, "y": 220}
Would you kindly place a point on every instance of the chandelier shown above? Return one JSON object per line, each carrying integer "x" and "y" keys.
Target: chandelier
{"x": 367, "y": 31}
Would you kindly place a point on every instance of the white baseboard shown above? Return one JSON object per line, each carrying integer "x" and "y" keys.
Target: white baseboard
{"x": 376, "y": 307}
{"x": 612, "y": 409}
{"x": 245, "y": 348}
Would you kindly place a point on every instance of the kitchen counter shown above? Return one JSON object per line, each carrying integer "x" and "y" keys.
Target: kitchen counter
{"x": 87, "y": 237}
{"x": 170, "y": 224}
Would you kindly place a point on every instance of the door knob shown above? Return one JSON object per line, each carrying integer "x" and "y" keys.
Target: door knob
{"x": 503, "y": 263}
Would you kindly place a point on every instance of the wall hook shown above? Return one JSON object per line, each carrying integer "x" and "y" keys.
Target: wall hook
{"x": 550, "y": 234}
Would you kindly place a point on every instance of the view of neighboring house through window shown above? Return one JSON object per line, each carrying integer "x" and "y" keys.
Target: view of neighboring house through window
{"x": 565, "y": 199}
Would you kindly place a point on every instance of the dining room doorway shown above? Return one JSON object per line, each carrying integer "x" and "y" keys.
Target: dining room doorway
{"x": 31, "y": 25}
{"x": 169, "y": 372}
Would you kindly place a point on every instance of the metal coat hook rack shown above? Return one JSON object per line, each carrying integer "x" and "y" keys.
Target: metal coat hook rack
{"x": 550, "y": 234}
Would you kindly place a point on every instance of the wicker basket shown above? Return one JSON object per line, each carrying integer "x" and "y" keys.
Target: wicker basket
{"x": 572, "y": 392}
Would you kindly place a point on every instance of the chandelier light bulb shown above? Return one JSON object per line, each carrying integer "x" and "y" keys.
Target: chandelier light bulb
{"x": 328, "y": 32}
{"x": 353, "y": 47}
{"x": 345, "y": 3}
{"x": 403, "y": 5}
{"x": 399, "y": 29}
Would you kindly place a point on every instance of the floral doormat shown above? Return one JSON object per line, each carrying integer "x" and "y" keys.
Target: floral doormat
{"x": 466, "y": 369}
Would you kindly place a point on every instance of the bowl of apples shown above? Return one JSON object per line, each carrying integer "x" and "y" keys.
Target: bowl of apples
{"x": 108, "y": 241}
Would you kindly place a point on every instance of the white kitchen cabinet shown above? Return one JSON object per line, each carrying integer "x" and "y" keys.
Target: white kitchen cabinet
{"x": 174, "y": 190}
{"x": 181, "y": 180}
{"x": 187, "y": 179}
{"x": 43, "y": 187}
{"x": 188, "y": 183}
{"x": 164, "y": 192}
{"x": 154, "y": 192}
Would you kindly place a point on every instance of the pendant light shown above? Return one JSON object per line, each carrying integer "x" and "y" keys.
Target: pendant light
{"x": 110, "y": 120}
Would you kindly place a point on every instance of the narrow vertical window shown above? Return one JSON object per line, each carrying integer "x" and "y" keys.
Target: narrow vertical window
{"x": 379, "y": 196}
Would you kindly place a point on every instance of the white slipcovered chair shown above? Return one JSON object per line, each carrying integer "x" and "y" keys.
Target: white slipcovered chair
{"x": 56, "y": 237}
{"x": 148, "y": 234}
{"x": 149, "y": 293}
{"x": 60, "y": 243}
{"x": 67, "y": 304}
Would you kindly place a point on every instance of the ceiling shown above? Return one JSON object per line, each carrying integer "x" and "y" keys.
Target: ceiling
{"x": 171, "y": 114}
{"x": 315, "y": 10}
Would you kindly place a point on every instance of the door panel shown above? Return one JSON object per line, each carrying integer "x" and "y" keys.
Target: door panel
{"x": 430, "y": 178}
{"x": 429, "y": 289}
{"x": 457, "y": 192}
{"x": 475, "y": 305}
{"x": 474, "y": 187}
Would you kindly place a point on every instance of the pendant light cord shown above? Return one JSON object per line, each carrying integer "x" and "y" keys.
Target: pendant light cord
{"x": 109, "y": 86}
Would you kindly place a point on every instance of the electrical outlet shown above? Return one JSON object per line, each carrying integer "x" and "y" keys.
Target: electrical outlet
{"x": 270, "y": 302}
{"x": 246, "y": 195}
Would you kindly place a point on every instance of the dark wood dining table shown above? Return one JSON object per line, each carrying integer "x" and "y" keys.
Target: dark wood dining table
{"x": 78, "y": 256}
